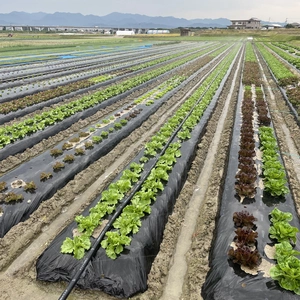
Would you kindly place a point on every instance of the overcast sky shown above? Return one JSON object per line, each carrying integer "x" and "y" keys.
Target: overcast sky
{"x": 273, "y": 10}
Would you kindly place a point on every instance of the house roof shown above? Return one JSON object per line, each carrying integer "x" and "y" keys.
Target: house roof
{"x": 243, "y": 20}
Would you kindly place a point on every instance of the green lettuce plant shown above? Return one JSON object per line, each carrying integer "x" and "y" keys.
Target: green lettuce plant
{"x": 287, "y": 272}
{"x": 287, "y": 269}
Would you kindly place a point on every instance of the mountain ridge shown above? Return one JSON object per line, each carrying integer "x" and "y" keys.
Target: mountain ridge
{"x": 114, "y": 19}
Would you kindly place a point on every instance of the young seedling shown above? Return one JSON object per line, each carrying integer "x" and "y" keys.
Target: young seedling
{"x": 123, "y": 122}
{"x": 79, "y": 151}
{"x": 3, "y": 186}
{"x": 58, "y": 166}
{"x": 144, "y": 159}
{"x": 96, "y": 139}
{"x": 104, "y": 134}
{"x": 30, "y": 187}
{"x": 117, "y": 125}
{"x": 83, "y": 134}
{"x": 88, "y": 145}
{"x": 67, "y": 146}
{"x": 45, "y": 176}
{"x": 74, "y": 140}
{"x": 55, "y": 152}
{"x": 12, "y": 197}
{"x": 69, "y": 158}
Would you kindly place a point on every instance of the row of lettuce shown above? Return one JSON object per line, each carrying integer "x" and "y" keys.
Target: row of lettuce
{"x": 87, "y": 140}
{"x": 161, "y": 145}
{"x": 244, "y": 250}
{"x": 79, "y": 69}
{"x": 246, "y": 176}
{"x": 274, "y": 177}
{"x": 43, "y": 96}
{"x": 10, "y": 134}
{"x": 286, "y": 270}
{"x": 285, "y": 77}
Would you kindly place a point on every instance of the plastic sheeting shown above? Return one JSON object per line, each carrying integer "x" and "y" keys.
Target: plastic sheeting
{"x": 283, "y": 91}
{"x": 226, "y": 280}
{"x": 127, "y": 275}
{"x": 32, "y": 90}
{"x": 31, "y": 170}
{"x": 121, "y": 58}
{"x": 29, "y": 141}
{"x": 22, "y": 112}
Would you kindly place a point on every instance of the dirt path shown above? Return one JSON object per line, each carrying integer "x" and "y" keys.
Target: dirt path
{"x": 173, "y": 289}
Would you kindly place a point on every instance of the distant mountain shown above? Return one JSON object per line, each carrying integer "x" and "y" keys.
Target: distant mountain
{"x": 119, "y": 20}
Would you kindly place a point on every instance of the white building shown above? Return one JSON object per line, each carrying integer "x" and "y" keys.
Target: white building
{"x": 252, "y": 23}
{"x": 125, "y": 32}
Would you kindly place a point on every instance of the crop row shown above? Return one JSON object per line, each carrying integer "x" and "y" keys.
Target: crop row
{"x": 287, "y": 269}
{"x": 247, "y": 173}
{"x": 9, "y": 134}
{"x": 35, "y": 66}
{"x": 295, "y": 61}
{"x": 243, "y": 250}
{"x": 112, "y": 68}
{"x": 129, "y": 220}
{"x": 294, "y": 98}
{"x": 246, "y": 177}
{"x": 36, "y": 70}
{"x": 65, "y": 76}
{"x": 43, "y": 96}
{"x": 52, "y": 169}
{"x": 289, "y": 48}
{"x": 282, "y": 73}
{"x": 273, "y": 171}
{"x": 289, "y": 86}
{"x": 160, "y": 60}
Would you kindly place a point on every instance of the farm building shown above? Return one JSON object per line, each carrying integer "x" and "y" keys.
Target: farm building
{"x": 252, "y": 23}
{"x": 186, "y": 32}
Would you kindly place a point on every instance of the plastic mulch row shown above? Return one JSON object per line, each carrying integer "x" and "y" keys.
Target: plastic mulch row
{"x": 22, "y": 112}
{"x": 225, "y": 279}
{"x": 31, "y": 170}
{"x": 126, "y": 275}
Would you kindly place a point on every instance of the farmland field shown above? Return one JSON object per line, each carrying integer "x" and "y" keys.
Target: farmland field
{"x": 129, "y": 166}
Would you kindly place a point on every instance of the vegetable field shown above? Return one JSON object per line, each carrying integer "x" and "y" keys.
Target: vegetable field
{"x": 151, "y": 171}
